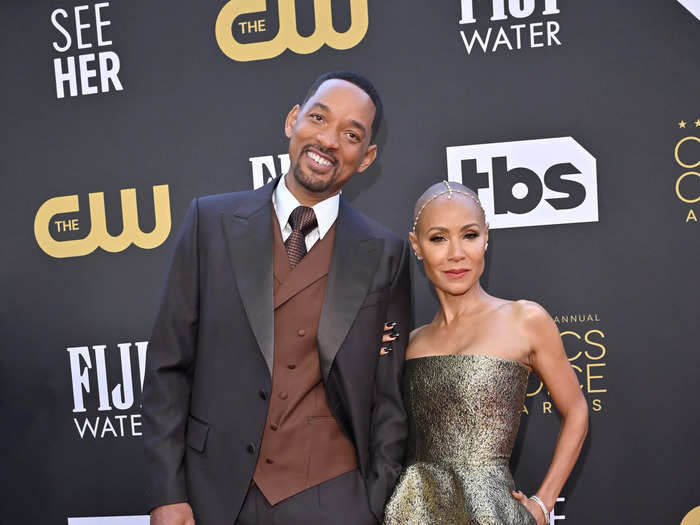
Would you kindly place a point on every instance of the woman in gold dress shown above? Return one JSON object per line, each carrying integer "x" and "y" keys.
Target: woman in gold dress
{"x": 465, "y": 381}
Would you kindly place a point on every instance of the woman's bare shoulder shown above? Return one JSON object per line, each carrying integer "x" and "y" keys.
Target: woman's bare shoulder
{"x": 533, "y": 318}
{"x": 522, "y": 310}
{"x": 530, "y": 311}
{"x": 416, "y": 333}
{"x": 524, "y": 314}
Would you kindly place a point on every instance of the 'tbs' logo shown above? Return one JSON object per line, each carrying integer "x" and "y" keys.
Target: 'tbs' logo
{"x": 288, "y": 36}
{"x": 529, "y": 182}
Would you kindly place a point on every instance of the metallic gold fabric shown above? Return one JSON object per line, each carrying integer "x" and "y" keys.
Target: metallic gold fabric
{"x": 464, "y": 413}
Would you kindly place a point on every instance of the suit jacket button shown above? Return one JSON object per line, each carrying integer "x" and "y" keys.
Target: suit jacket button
{"x": 250, "y": 448}
{"x": 262, "y": 394}
{"x": 269, "y": 461}
{"x": 274, "y": 426}
{"x": 291, "y": 366}
{"x": 283, "y": 395}
{"x": 301, "y": 332}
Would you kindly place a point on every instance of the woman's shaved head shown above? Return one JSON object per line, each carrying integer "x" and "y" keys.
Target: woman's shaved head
{"x": 446, "y": 190}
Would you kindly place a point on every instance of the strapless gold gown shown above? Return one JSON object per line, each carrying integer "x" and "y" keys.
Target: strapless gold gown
{"x": 463, "y": 416}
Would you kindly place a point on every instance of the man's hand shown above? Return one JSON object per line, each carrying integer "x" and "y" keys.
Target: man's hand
{"x": 175, "y": 514}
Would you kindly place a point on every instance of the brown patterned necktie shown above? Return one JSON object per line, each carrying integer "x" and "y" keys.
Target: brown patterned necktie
{"x": 302, "y": 220}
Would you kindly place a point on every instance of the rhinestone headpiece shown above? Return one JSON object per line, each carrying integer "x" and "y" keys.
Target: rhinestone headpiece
{"x": 449, "y": 191}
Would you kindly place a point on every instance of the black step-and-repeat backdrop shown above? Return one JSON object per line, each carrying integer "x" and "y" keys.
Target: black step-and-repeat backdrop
{"x": 577, "y": 122}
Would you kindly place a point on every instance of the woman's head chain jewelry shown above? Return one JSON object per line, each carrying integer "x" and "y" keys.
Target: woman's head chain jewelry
{"x": 449, "y": 191}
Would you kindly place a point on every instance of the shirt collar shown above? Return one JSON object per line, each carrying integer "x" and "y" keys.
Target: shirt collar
{"x": 284, "y": 202}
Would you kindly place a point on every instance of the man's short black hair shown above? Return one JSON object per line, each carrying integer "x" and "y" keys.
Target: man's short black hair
{"x": 360, "y": 81}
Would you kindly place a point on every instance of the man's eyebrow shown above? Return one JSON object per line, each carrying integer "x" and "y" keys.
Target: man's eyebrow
{"x": 358, "y": 125}
{"x": 355, "y": 123}
{"x": 322, "y": 106}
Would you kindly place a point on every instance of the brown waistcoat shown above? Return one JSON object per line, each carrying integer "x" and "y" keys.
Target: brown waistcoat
{"x": 302, "y": 444}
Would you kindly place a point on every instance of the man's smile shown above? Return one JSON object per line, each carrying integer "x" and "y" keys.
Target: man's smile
{"x": 319, "y": 162}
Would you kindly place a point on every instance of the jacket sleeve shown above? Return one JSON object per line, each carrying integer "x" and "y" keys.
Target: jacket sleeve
{"x": 389, "y": 430}
{"x": 169, "y": 363}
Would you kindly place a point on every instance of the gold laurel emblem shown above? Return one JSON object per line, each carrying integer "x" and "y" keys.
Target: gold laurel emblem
{"x": 288, "y": 36}
{"x": 692, "y": 518}
{"x": 98, "y": 236}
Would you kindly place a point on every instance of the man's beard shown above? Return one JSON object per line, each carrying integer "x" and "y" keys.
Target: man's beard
{"x": 319, "y": 184}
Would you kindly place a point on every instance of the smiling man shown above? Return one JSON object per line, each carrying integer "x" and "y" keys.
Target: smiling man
{"x": 267, "y": 399}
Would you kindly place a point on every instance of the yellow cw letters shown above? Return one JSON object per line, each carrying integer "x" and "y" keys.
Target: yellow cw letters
{"x": 288, "y": 36}
{"x": 98, "y": 235}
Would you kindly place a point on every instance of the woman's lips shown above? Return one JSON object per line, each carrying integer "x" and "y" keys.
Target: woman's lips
{"x": 456, "y": 274}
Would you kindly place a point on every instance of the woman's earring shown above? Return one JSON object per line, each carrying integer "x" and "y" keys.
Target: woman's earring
{"x": 487, "y": 246}
{"x": 418, "y": 256}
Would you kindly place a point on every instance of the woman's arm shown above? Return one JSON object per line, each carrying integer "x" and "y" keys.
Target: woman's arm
{"x": 548, "y": 360}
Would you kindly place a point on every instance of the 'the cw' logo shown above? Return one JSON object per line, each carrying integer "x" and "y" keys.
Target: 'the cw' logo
{"x": 98, "y": 236}
{"x": 529, "y": 182}
{"x": 287, "y": 36}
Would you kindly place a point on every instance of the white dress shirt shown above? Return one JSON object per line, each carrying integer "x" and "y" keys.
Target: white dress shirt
{"x": 284, "y": 203}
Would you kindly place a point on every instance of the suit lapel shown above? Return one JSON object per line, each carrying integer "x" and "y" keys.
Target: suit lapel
{"x": 248, "y": 233}
{"x": 353, "y": 264}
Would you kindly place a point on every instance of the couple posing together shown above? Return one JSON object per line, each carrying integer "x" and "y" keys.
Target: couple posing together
{"x": 282, "y": 384}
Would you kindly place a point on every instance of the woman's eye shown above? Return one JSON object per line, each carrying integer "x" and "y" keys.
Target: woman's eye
{"x": 471, "y": 235}
{"x": 437, "y": 238}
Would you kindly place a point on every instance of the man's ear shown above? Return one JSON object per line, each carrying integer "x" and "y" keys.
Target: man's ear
{"x": 291, "y": 120}
{"x": 368, "y": 159}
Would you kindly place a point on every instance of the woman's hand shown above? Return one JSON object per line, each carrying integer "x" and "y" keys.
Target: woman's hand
{"x": 531, "y": 506}
{"x": 390, "y": 334}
